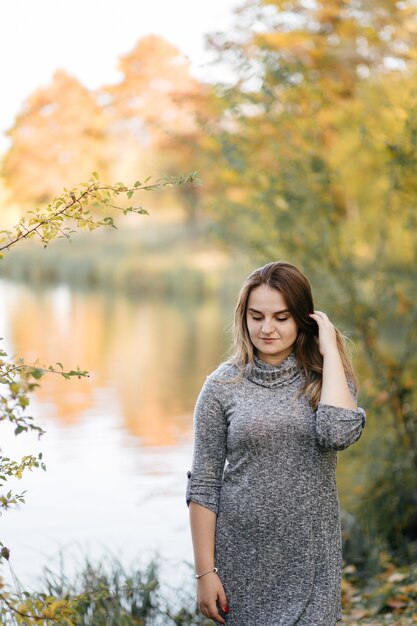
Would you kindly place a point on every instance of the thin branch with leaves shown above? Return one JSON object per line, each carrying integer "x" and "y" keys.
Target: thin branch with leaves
{"x": 89, "y": 206}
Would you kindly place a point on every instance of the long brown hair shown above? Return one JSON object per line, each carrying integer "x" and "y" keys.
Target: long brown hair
{"x": 296, "y": 291}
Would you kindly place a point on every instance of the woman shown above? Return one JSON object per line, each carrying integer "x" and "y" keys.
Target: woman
{"x": 265, "y": 528}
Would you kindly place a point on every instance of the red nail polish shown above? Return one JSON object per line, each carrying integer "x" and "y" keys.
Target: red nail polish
{"x": 226, "y": 609}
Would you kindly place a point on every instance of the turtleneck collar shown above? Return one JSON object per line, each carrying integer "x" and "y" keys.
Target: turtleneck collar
{"x": 271, "y": 376}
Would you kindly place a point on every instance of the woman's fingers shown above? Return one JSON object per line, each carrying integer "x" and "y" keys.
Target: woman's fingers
{"x": 210, "y": 610}
{"x": 321, "y": 319}
{"x": 320, "y": 316}
{"x": 327, "y": 332}
{"x": 217, "y": 617}
{"x": 223, "y": 601}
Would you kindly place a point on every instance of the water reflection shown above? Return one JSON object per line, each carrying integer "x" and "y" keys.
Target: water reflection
{"x": 118, "y": 445}
{"x": 153, "y": 355}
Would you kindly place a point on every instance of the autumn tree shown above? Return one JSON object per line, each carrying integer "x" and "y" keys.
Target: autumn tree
{"x": 315, "y": 156}
{"x": 148, "y": 121}
{"x": 152, "y": 113}
{"x": 57, "y": 138}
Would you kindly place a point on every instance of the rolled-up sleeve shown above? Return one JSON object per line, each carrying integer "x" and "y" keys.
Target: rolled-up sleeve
{"x": 337, "y": 428}
{"x": 210, "y": 443}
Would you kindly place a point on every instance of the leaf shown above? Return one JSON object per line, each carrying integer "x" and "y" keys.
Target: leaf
{"x": 23, "y": 402}
{"x": 78, "y": 373}
{"x": 396, "y": 577}
{"x": 5, "y": 553}
{"x": 37, "y": 373}
{"x": 108, "y": 221}
{"x": 397, "y": 603}
{"x": 359, "y": 613}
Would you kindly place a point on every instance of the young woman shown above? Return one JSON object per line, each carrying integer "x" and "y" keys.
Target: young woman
{"x": 265, "y": 528}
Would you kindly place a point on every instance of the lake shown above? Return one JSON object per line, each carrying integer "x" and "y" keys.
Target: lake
{"x": 118, "y": 444}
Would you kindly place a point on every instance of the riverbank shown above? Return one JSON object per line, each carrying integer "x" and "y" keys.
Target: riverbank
{"x": 161, "y": 259}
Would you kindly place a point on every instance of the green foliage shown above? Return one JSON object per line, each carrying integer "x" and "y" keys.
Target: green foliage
{"x": 389, "y": 510}
{"x": 317, "y": 166}
{"x": 76, "y": 209}
{"x": 17, "y": 381}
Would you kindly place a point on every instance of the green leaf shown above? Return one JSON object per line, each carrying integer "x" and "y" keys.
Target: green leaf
{"x": 108, "y": 221}
{"x": 79, "y": 373}
{"x": 37, "y": 373}
{"x": 23, "y": 402}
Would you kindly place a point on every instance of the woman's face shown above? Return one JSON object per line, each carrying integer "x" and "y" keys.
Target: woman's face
{"x": 272, "y": 329}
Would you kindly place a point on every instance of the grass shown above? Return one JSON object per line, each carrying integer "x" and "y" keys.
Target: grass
{"x": 105, "y": 594}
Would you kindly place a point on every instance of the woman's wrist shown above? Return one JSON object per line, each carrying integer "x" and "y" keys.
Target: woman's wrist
{"x": 212, "y": 570}
{"x": 331, "y": 352}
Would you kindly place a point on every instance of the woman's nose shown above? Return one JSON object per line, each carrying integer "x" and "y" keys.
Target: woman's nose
{"x": 267, "y": 327}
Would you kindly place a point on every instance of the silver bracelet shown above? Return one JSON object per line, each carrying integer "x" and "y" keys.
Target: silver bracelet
{"x": 211, "y": 571}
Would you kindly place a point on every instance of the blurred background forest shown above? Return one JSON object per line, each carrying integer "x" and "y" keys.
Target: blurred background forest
{"x": 307, "y": 153}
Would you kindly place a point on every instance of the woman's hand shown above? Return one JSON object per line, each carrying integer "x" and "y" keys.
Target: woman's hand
{"x": 210, "y": 591}
{"x": 327, "y": 333}
{"x": 334, "y": 388}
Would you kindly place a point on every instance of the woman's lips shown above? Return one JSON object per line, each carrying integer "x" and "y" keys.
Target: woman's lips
{"x": 268, "y": 339}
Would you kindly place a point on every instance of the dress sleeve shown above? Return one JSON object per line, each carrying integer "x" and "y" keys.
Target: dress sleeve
{"x": 210, "y": 435}
{"x": 337, "y": 428}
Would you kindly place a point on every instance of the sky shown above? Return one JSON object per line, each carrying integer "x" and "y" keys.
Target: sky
{"x": 86, "y": 37}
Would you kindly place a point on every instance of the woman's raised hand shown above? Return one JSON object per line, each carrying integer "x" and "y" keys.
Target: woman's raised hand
{"x": 327, "y": 333}
{"x": 210, "y": 595}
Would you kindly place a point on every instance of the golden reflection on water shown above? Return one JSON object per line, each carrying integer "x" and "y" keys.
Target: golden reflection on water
{"x": 153, "y": 355}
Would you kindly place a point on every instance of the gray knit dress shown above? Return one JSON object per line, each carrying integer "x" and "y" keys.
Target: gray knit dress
{"x": 278, "y": 542}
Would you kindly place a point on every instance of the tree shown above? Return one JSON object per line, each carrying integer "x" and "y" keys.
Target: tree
{"x": 315, "y": 156}
{"x": 150, "y": 100}
{"x": 152, "y": 113}
{"x": 59, "y": 134}
{"x": 148, "y": 120}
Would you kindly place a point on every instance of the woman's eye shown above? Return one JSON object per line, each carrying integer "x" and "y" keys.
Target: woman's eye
{"x": 257, "y": 319}
{"x": 281, "y": 319}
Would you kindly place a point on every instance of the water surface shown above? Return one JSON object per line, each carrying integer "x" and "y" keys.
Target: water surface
{"x": 118, "y": 445}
